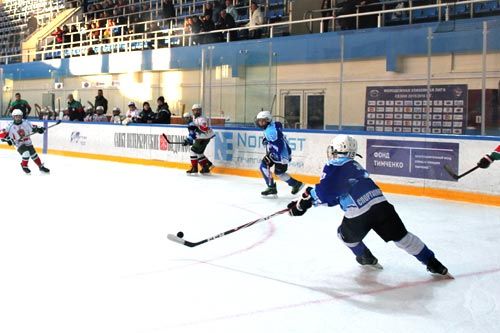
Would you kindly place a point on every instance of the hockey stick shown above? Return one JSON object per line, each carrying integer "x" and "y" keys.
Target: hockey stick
{"x": 171, "y": 142}
{"x": 179, "y": 240}
{"x": 57, "y": 123}
{"x": 454, "y": 175}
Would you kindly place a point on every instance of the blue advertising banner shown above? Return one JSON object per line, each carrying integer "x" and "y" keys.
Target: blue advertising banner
{"x": 403, "y": 109}
{"x": 416, "y": 159}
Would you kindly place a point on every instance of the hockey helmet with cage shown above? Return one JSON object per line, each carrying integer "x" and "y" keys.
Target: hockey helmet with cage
{"x": 343, "y": 145}
{"x": 196, "y": 109}
{"x": 187, "y": 116}
{"x": 19, "y": 114}
{"x": 263, "y": 115}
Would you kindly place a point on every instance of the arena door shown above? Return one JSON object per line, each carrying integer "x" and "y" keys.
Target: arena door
{"x": 303, "y": 108}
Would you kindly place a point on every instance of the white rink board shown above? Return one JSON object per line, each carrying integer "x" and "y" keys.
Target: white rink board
{"x": 242, "y": 149}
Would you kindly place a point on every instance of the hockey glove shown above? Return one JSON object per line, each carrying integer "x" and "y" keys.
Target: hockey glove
{"x": 298, "y": 208}
{"x": 39, "y": 130}
{"x": 7, "y": 140}
{"x": 485, "y": 162}
{"x": 264, "y": 141}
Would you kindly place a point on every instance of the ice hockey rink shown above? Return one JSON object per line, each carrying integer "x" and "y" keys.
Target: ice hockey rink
{"x": 85, "y": 249}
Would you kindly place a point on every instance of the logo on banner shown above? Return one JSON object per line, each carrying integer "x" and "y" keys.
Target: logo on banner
{"x": 77, "y": 138}
{"x": 224, "y": 146}
{"x": 248, "y": 146}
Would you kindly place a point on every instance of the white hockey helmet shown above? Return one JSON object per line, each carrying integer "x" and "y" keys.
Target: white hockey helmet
{"x": 196, "y": 107}
{"x": 344, "y": 145}
{"x": 17, "y": 112}
{"x": 266, "y": 115}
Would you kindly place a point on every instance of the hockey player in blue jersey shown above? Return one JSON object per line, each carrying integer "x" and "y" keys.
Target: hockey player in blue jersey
{"x": 278, "y": 154}
{"x": 346, "y": 183}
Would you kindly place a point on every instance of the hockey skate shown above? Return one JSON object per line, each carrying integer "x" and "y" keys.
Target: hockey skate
{"x": 435, "y": 267}
{"x": 299, "y": 186}
{"x": 206, "y": 168}
{"x": 270, "y": 191}
{"x": 192, "y": 171}
{"x": 43, "y": 169}
{"x": 26, "y": 169}
{"x": 369, "y": 260}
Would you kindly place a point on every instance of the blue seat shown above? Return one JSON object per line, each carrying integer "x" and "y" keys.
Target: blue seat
{"x": 486, "y": 7}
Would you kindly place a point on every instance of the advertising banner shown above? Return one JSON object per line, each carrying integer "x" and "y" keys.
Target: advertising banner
{"x": 416, "y": 159}
{"x": 403, "y": 109}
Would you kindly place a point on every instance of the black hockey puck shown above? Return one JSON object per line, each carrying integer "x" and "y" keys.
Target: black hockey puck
{"x": 180, "y": 234}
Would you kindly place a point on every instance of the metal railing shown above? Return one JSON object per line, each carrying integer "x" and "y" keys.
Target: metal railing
{"x": 171, "y": 37}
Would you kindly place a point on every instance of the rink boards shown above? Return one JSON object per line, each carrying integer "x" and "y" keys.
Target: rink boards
{"x": 408, "y": 164}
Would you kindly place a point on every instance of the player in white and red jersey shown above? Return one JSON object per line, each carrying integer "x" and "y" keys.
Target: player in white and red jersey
{"x": 18, "y": 133}
{"x": 199, "y": 137}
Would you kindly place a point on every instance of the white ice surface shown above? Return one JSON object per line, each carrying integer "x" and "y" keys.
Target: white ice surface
{"x": 85, "y": 250}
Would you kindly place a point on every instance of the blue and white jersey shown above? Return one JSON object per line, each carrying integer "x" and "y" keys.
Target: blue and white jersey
{"x": 277, "y": 145}
{"x": 346, "y": 183}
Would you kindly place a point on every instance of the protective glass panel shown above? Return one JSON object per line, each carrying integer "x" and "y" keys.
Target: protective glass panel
{"x": 315, "y": 112}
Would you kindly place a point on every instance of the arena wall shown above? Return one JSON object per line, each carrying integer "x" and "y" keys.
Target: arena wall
{"x": 239, "y": 151}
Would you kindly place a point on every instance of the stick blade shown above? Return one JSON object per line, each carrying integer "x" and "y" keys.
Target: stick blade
{"x": 176, "y": 239}
{"x": 450, "y": 172}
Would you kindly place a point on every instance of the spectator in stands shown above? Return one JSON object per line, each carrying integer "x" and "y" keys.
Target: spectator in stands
{"x": 208, "y": 9}
{"x": 145, "y": 14}
{"x": 133, "y": 16}
{"x": 20, "y": 104}
{"x": 100, "y": 116}
{"x": 369, "y": 21}
{"x": 100, "y": 100}
{"x": 195, "y": 28}
{"x": 208, "y": 25}
{"x": 131, "y": 115}
{"x": 32, "y": 24}
{"x": 58, "y": 34}
{"x": 83, "y": 33}
{"x": 147, "y": 115}
{"x": 163, "y": 113}
{"x": 216, "y": 9}
{"x": 231, "y": 10}
{"x": 75, "y": 109}
{"x": 116, "y": 118}
{"x": 108, "y": 32}
{"x": 226, "y": 21}
{"x": 118, "y": 18}
{"x": 89, "y": 114}
{"x": 75, "y": 36}
{"x": 348, "y": 7}
{"x": 256, "y": 19}
{"x": 168, "y": 9}
{"x": 326, "y": 4}
{"x": 66, "y": 36}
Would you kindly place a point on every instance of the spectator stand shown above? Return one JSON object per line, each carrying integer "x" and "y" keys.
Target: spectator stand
{"x": 169, "y": 32}
{"x": 13, "y": 23}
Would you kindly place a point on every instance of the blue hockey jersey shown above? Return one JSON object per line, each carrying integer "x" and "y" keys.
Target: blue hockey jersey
{"x": 346, "y": 183}
{"x": 277, "y": 144}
